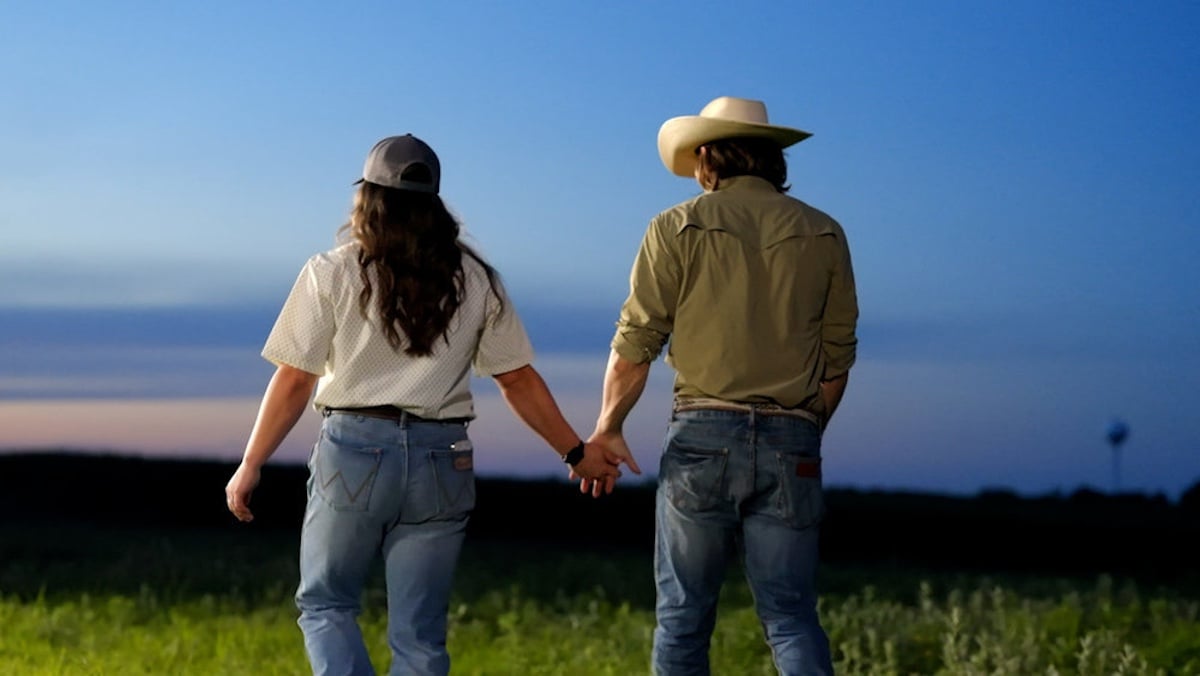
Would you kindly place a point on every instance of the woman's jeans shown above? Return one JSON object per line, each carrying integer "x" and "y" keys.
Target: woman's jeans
{"x": 403, "y": 489}
{"x": 739, "y": 482}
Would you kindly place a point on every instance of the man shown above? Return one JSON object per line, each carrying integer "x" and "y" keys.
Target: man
{"x": 754, "y": 290}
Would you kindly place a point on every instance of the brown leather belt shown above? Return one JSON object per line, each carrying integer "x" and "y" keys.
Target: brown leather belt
{"x": 393, "y": 413}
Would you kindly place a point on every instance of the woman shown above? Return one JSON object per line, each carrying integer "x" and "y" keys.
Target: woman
{"x": 386, "y": 326}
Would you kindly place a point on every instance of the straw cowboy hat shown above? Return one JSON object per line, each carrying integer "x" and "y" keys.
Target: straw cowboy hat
{"x": 723, "y": 117}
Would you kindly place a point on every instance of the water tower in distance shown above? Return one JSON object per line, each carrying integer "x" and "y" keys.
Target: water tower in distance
{"x": 1118, "y": 432}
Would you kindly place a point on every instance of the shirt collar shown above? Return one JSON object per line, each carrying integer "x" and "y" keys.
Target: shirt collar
{"x": 753, "y": 183}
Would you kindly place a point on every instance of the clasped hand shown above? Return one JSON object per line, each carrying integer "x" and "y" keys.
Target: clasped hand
{"x": 599, "y": 470}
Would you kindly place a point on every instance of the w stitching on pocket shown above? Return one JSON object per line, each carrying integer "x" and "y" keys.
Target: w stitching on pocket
{"x": 351, "y": 493}
{"x": 345, "y": 493}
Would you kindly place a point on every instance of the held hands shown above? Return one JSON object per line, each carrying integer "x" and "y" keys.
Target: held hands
{"x": 238, "y": 490}
{"x": 601, "y": 473}
{"x": 603, "y": 454}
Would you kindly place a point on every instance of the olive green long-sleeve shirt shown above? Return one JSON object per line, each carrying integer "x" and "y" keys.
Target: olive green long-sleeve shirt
{"x": 754, "y": 290}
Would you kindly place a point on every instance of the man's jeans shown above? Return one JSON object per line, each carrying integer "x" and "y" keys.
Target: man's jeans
{"x": 735, "y": 481}
{"x": 403, "y": 489}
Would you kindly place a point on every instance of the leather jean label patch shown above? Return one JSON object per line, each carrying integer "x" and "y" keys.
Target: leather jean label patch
{"x": 809, "y": 468}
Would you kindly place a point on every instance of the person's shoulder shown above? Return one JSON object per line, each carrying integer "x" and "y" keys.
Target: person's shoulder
{"x": 475, "y": 272}
{"x": 814, "y": 216}
{"x": 331, "y": 264}
{"x": 339, "y": 256}
{"x": 678, "y": 216}
{"x": 473, "y": 265}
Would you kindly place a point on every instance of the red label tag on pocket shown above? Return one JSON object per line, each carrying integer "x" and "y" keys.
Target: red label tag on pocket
{"x": 462, "y": 462}
{"x": 809, "y": 469}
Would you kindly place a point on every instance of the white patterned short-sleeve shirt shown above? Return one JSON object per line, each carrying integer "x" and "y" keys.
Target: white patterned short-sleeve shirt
{"x": 322, "y": 331}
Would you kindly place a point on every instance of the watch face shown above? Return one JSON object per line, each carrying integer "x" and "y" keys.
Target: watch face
{"x": 574, "y": 455}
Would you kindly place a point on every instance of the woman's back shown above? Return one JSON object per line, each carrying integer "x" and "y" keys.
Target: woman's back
{"x": 323, "y": 329}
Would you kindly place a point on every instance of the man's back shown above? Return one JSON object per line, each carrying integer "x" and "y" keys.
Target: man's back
{"x": 758, "y": 292}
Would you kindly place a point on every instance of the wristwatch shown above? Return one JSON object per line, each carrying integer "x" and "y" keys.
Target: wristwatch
{"x": 574, "y": 455}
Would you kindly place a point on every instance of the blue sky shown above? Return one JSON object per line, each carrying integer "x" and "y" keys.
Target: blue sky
{"x": 1017, "y": 180}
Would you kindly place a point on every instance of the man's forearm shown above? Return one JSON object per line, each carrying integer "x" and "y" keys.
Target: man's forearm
{"x": 832, "y": 392}
{"x": 624, "y": 382}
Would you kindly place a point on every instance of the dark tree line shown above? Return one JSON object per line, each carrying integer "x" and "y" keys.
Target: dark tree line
{"x": 1084, "y": 532}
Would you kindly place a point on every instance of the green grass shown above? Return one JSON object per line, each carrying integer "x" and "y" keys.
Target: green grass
{"x": 75, "y": 601}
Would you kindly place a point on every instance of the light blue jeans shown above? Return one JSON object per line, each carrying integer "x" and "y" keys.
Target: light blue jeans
{"x": 738, "y": 482}
{"x": 400, "y": 489}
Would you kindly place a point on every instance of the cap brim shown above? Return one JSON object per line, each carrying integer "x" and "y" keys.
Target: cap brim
{"x": 404, "y": 185}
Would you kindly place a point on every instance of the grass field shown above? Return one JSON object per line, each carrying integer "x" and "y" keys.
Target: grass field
{"x": 77, "y": 600}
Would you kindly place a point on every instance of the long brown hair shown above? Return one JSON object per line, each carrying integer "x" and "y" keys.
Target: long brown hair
{"x": 744, "y": 156}
{"x": 408, "y": 247}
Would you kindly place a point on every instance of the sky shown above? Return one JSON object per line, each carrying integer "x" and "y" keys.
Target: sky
{"x": 1017, "y": 181}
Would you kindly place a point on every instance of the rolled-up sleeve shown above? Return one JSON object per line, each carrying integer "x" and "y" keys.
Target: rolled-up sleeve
{"x": 648, "y": 314}
{"x": 839, "y": 342}
{"x": 303, "y": 332}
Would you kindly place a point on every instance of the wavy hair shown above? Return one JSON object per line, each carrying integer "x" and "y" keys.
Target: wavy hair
{"x": 743, "y": 156}
{"x": 410, "y": 261}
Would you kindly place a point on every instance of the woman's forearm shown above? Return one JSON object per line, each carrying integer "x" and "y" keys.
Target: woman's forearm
{"x": 533, "y": 404}
{"x": 282, "y": 405}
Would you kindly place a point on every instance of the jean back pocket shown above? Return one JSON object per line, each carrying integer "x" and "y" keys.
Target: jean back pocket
{"x": 454, "y": 475}
{"x": 801, "y": 497}
{"x": 344, "y": 474}
{"x": 693, "y": 478}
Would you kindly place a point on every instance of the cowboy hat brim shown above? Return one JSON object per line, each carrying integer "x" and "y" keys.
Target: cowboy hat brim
{"x": 679, "y": 137}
